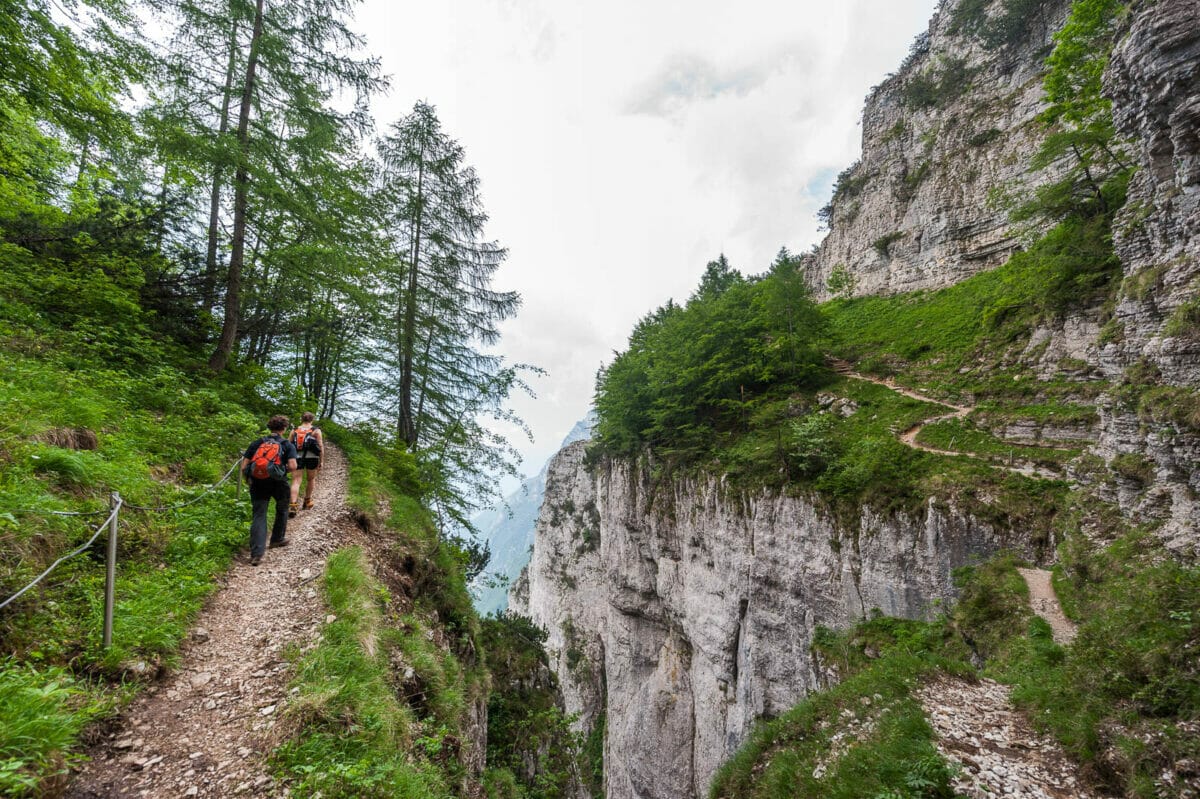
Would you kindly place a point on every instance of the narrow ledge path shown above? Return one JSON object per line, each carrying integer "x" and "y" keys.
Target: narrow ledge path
{"x": 909, "y": 437}
{"x": 1044, "y": 601}
{"x": 206, "y": 729}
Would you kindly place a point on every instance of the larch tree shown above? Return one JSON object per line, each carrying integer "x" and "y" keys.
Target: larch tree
{"x": 444, "y": 311}
{"x": 299, "y": 56}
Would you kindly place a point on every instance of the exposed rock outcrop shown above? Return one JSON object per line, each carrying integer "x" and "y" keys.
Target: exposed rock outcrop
{"x": 683, "y": 611}
{"x": 1154, "y": 338}
{"x": 955, "y": 124}
{"x": 695, "y": 614}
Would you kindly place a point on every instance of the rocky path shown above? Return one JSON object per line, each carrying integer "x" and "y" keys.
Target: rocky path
{"x": 909, "y": 437}
{"x": 999, "y": 753}
{"x": 1045, "y": 604}
{"x": 206, "y": 729}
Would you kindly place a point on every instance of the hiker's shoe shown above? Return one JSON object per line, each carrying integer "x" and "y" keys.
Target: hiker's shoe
{"x": 257, "y": 559}
{"x": 293, "y": 509}
{"x": 308, "y": 504}
{"x": 282, "y": 543}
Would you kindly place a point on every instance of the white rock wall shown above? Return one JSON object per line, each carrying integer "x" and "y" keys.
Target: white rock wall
{"x": 696, "y": 613}
{"x": 949, "y": 223}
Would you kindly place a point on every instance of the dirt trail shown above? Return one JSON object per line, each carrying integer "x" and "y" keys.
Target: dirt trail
{"x": 205, "y": 729}
{"x": 999, "y": 752}
{"x": 909, "y": 437}
{"x": 1045, "y": 603}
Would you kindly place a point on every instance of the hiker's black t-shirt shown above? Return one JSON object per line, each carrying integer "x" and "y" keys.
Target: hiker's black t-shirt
{"x": 287, "y": 451}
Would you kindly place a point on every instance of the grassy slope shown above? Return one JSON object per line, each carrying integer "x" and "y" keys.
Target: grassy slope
{"x": 384, "y": 701}
{"x": 160, "y": 434}
{"x": 1119, "y": 698}
{"x": 387, "y": 703}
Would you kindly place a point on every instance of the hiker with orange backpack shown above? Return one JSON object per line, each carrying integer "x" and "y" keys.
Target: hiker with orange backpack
{"x": 269, "y": 461}
{"x": 309, "y": 443}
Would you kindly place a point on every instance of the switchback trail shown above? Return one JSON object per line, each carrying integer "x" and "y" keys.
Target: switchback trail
{"x": 205, "y": 729}
{"x": 977, "y": 727}
{"x": 909, "y": 437}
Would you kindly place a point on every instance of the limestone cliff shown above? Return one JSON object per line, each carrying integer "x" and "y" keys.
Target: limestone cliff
{"x": 943, "y": 140}
{"x": 1153, "y": 342}
{"x": 681, "y": 611}
{"x": 685, "y": 612}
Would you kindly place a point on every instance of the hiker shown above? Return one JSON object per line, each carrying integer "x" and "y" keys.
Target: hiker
{"x": 309, "y": 443}
{"x": 269, "y": 461}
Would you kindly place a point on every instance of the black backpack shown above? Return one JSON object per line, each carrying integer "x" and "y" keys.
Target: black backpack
{"x": 307, "y": 442}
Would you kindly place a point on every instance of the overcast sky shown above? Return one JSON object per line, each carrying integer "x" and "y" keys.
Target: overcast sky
{"x": 624, "y": 144}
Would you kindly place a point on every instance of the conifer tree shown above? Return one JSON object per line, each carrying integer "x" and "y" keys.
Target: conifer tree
{"x": 444, "y": 304}
{"x": 441, "y": 386}
{"x": 298, "y": 54}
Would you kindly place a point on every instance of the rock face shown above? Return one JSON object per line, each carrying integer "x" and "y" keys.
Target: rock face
{"x": 685, "y": 612}
{"x": 1154, "y": 82}
{"x": 955, "y": 124}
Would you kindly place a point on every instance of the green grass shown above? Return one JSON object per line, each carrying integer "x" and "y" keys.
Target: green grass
{"x": 954, "y": 339}
{"x": 1050, "y": 412}
{"x": 1119, "y": 698}
{"x": 961, "y": 435}
{"x": 865, "y": 737}
{"x": 41, "y": 716}
{"x": 351, "y": 733}
{"x": 92, "y": 402}
{"x": 1115, "y": 696}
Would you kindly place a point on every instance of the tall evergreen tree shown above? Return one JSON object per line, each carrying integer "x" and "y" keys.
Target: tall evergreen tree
{"x": 442, "y": 386}
{"x": 444, "y": 304}
{"x": 298, "y": 55}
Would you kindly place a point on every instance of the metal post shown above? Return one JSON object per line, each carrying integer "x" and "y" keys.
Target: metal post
{"x": 110, "y": 575}
{"x": 238, "y": 479}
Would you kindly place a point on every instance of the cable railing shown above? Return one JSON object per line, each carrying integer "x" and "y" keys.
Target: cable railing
{"x": 111, "y": 523}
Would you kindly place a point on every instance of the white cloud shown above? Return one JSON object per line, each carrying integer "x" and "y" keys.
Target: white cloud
{"x": 623, "y": 145}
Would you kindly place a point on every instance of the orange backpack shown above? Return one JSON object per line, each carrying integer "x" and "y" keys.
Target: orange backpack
{"x": 306, "y": 441}
{"x": 267, "y": 462}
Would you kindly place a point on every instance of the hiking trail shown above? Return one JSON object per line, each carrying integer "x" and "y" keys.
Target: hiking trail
{"x": 977, "y": 727}
{"x": 1044, "y": 602}
{"x": 909, "y": 437}
{"x": 205, "y": 729}
{"x": 997, "y": 749}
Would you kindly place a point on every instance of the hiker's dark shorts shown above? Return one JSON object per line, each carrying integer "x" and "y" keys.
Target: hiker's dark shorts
{"x": 308, "y": 463}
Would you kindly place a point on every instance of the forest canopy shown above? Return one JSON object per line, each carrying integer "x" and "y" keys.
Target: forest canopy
{"x": 696, "y": 370}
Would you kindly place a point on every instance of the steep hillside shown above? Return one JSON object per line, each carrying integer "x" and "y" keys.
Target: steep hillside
{"x": 391, "y": 693}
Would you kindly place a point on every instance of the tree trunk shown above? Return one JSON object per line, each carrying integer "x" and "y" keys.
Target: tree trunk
{"x": 209, "y": 286}
{"x": 241, "y": 182}
{"x": 408, "y": 334}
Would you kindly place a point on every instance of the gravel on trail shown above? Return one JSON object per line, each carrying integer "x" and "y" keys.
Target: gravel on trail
{"x": 997, "y": 750}
{"x": 205, "y": 729}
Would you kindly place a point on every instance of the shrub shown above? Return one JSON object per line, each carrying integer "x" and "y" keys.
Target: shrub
{"x": 938, "y": 86}
{"x": 910, "y": 181}
{"x": 1133, "y": 466}
{"x": 883, "y": 244}
{"x": 841, "y": 282}
{"x": 849, "y": 184}
{"x": 985, "y": 137}
{"x": 1185, "y": 320}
